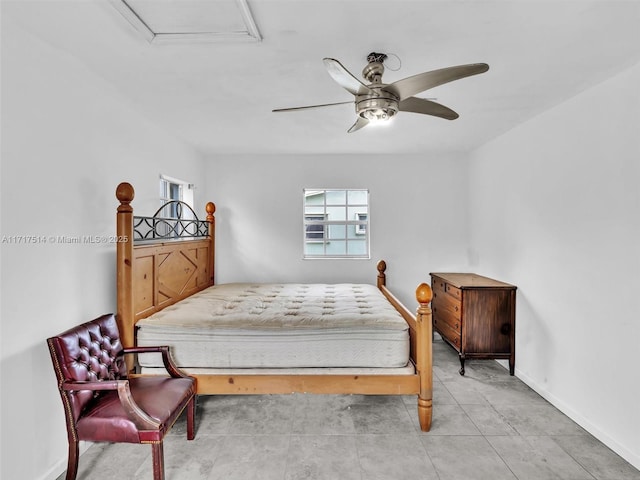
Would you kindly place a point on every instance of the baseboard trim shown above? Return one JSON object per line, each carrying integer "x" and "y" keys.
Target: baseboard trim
{"x": 590, "y": 427}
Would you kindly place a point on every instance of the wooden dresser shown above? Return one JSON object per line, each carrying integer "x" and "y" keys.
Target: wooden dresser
{"x": 476, "y": 315}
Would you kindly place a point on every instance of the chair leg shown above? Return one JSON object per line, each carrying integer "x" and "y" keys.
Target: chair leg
{"x": 157, "y": 450}
{"x": 191, "y": 414}
{"x": 72, "y": 462}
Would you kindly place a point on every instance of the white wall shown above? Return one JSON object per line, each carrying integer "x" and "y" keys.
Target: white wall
{"x": 67, "y": 140}
{"x": 418, "y": 217}
{"x": 554, "y": 209}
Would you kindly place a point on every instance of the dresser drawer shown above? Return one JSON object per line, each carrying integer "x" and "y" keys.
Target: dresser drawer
{"x": 452, "y": 322}
{"x": 446, "y": 303}
{"x": 438, "y": 286}
{"x": 453, "y": 291}
{"x": 446, "y": 319}
{"x": 447, "y": 332}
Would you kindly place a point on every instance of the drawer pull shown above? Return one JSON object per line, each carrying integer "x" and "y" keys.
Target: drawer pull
{"x": 456, "y": 309}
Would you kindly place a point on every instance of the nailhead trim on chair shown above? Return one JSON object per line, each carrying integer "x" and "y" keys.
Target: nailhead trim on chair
{"x": 65, "y": 398}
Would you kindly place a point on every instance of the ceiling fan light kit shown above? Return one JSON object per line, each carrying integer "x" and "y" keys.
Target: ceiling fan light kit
{"x": 377, "y": 102}
{"x": 379, "y": 109}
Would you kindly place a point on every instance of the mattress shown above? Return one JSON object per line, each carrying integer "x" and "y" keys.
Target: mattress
{"x": 244, "y": 325}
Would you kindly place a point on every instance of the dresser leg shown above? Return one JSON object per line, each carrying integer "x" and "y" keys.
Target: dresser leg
{"x": 462, "y": 357}
{"x": 512, "y": 365}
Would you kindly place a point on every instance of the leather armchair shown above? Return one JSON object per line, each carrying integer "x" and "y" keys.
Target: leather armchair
{"x": 103, "y": 404}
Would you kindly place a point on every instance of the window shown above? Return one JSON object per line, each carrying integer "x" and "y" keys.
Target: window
{"x": 177, "y": 190}
{"x": 174, "y": 189}
{"x": 170, "y": 191}
{"x": 336, "y": 223}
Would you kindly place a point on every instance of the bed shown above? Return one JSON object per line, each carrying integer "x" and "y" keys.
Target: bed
{"x": 263, "y": 338}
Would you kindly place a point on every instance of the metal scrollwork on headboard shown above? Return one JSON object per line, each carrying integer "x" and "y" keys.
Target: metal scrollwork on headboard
{"x": 175, "y": 220}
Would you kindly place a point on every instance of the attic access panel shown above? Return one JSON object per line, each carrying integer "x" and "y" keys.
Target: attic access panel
{"x": 173, "y": 21}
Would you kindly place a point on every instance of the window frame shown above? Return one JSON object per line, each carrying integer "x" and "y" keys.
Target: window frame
{"x": 356, "y": 230}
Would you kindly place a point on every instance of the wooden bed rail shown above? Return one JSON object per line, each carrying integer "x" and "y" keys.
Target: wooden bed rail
{"x": 382, "y": 285}
{"x": 421, "y": 333}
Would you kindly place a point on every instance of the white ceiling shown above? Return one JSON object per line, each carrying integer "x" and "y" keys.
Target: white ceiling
{"x": 219, "y": 96}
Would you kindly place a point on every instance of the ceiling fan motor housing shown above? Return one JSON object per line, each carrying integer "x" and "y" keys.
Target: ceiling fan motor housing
{"x": 378, "y": 104}
{"x": 373, "y": 72}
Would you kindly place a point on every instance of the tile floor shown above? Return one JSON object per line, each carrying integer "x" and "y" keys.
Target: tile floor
{"x": 486, "y": 426}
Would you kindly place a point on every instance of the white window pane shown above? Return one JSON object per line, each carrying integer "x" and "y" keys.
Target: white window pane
{"x": 314, "y": 199}
{"x": 336, "y": 197}
{"x": 308, "y": 210}
{"x": 357, "y": 213}
{"x": 337, "y": 247}
{"x": 314, "y": 249}
{"x": 357, "y": 197}
{"x": 315, "y": 232}
{"x": 336, "y": 214}
{"x": 357, "y": 247}
{"x": 337, "y": 232}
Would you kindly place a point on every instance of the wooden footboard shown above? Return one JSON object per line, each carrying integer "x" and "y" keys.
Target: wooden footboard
{"x": 152, "y": 274}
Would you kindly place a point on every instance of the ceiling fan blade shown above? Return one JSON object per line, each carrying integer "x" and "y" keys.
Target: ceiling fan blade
{"x": 409, "y": 86}
{"x": 361, "y": 122}
{"x": 344, "y": 78}
{"x": 293, "y": 109}
{"x": 422, "y": 105}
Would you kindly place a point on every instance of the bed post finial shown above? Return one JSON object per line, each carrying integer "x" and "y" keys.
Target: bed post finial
{"x": 382, "y": 279}
{"x": 125, "y": 193}
{"x": 211, "y": 209}
{"x": 424, "y": 357}
{"x": 424, "y": 294}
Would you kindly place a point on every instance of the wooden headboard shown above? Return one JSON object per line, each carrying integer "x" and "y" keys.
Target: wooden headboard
{"x": 151, "y": 276}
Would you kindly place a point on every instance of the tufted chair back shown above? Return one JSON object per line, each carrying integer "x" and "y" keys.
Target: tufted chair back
{"x": 87, "y": 353}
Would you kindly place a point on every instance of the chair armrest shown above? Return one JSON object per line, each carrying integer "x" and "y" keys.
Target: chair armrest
{"x": 98, "y": 385}
{"x": 167, "y": 359}
{"x": 138, "y": 416}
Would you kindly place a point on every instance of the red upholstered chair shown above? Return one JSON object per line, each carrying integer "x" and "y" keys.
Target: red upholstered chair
{"x": 102, "y": 405}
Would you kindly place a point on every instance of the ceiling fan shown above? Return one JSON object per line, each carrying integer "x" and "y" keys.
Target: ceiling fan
{"x": 379, "y": 102}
